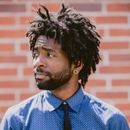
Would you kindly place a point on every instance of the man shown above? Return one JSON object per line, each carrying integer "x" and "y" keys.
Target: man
{"x": 65, "y": 49}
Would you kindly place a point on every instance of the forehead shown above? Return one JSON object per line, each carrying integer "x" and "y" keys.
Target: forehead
{"x": 43, "y": 41}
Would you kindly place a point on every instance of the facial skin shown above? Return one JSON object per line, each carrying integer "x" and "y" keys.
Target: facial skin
{"x": 51, "y": 67}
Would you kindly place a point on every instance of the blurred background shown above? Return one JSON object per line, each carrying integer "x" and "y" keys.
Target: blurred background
{"x": 111, "y": 82}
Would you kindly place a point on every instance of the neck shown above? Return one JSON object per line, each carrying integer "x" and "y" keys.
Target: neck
{"x": 66, "y": 91}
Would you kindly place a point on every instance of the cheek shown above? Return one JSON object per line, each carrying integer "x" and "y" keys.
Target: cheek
{"x": 59, "y": 65}
{"x": 34, "y": 63}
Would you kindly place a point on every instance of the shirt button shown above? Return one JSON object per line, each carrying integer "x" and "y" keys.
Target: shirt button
{"x": 64, "y": 103}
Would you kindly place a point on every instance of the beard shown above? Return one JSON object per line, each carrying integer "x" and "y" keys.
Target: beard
{"x": 52, "y": 81}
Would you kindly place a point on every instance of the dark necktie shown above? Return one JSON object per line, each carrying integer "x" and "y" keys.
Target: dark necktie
{"x": 67, "y": 124}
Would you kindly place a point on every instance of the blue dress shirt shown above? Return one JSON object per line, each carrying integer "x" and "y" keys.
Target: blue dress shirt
{"x": 42, "y": 112}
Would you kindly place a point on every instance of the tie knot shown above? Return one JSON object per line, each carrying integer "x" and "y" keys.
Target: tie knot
{"x": 65, "y": 105}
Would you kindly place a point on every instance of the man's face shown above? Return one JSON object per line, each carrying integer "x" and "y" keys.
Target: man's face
{"x": 51, "y": 66}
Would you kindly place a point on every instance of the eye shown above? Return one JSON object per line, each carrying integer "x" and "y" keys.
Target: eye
{"x": 35, "y": 54}
{"x": 50, "y": 54}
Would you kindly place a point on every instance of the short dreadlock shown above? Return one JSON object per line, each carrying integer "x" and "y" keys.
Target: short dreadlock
{"x": 76, "y": 35}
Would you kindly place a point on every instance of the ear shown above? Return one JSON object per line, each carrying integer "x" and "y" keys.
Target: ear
{"x": 76, "y": 68}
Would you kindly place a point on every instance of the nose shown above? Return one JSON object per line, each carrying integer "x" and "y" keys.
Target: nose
{"x": 39, "y": 61}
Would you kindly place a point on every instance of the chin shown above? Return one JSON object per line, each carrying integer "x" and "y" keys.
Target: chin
{"x": 45, "y": 86}
{"x": 49, "y": 85}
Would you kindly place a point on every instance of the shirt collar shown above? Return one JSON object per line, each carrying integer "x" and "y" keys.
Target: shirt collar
{"x": 76, "y": 100}
{"x": 52, "y": 102}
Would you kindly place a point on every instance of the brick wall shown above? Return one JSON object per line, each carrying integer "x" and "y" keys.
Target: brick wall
{"x": 111, "y": 82}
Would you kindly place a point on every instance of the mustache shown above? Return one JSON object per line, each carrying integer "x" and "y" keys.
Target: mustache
{"x": 39, "y": 70}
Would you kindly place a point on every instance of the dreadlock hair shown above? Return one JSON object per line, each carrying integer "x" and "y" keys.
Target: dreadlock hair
{"x": 76, "y": 35}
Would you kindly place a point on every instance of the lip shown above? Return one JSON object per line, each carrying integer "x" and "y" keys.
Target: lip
{"x": 40, "y": 73}
{"x": 40, "y": 76}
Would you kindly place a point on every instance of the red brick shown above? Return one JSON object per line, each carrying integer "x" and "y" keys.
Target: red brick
{"x": 51, "y": 7}
{"x": 14, "y": 84}
{"x": 120, "y": 57}
{"x": 119, "y": 32}
{"x": 96, "y": 82}
{"x": 111, "y": 19}
{"x": 28, "y": 71}
{"x": 24, "y": 96}
{"x": 6, "y": 0}
{"x": 13, "y": 59}
{"x": 24, "y": 47}
{"x": 15, "y": 8}
{"x": 25, "y": 19}
{"x": 7, "y": 47}
{"x": 115, "y": 45}
{"x": 3, "y": 109}
{"x": 121, "y": 82}
{"x": 7, "y": 96}
{"x": 114, "y": 69}
{"x": 112, "y": 95}
{"x": 123, "y": 106}
{"x": 12, "y": 33}
{"x": 87, "y": 6}
{"x": 7, "y": 20}
{"x": 119, "y": 7}
{"x": 101, "y": 32}
{"x": 8, "y": 71}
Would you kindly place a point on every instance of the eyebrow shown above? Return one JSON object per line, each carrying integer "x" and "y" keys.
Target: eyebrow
{"x": 45, "y": 48}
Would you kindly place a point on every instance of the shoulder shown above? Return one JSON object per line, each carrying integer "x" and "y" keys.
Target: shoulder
{"x": 25, "y": 105}
{"x": 105, "y": 112}
{"x": 117, "y": 122}
{"x": 18, "y": 113}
